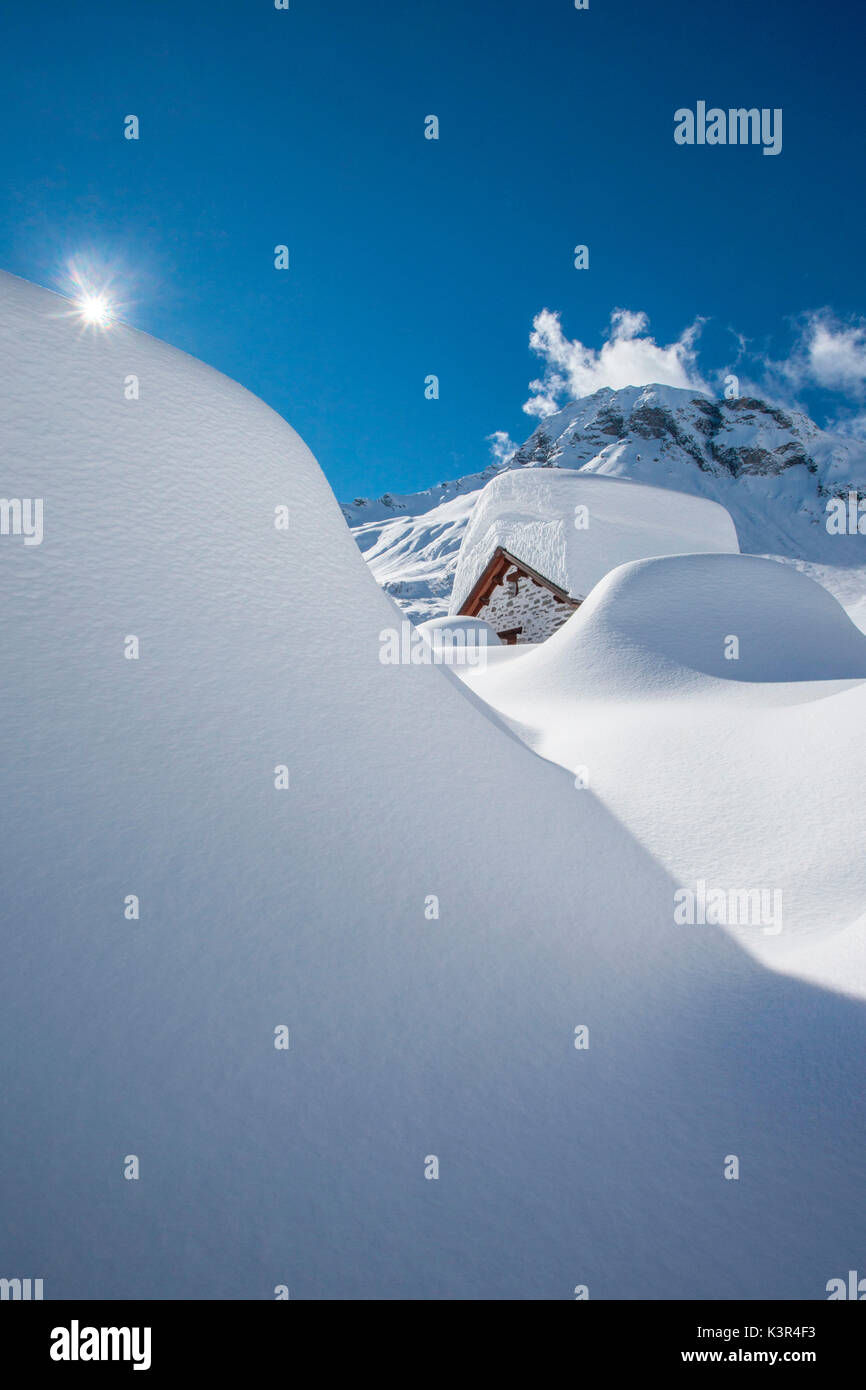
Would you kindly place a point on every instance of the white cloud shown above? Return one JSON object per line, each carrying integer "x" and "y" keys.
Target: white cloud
{"x": 852, "y": 425}
{"x": 629, "y": 357}
{"x": 829, "y": 354}
{"x": 501, "y": 447}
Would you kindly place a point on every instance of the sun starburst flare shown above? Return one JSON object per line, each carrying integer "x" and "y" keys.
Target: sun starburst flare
{"x": 89, "y": 284}
{"x": 96, "y": 310}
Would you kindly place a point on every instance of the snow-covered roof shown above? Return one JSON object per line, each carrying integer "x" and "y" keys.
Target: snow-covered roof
{"x": 574, "y": 528}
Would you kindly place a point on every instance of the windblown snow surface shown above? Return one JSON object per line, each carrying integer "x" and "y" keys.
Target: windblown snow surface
{"x": 410, "y": 1036}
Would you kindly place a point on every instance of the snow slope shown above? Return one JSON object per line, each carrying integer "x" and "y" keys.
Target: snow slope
{"x": 411, "y": 1035}
{"x": 773, "y": 470}
{"x": 533, "y": 515}
{"x": 411, "y": 544}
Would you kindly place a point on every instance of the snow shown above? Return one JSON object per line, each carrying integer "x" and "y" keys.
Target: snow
{"x": 411, "y": 1034}
{"x": 573, "y": 528}
{"x": 456, "y": 634}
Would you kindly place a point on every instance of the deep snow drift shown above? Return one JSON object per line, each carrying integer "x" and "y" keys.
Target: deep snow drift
{"x": 709, "y": 701}
{"x": 573, "y": 527}
{"x": 662, "y": 623}
{"x": 411, "y": 1034}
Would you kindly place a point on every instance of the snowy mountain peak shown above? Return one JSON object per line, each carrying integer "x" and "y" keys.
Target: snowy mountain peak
{"x": 658, "y": 425}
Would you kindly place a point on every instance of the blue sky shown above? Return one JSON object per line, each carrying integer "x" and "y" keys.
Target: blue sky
{"x": 409, "y": 257}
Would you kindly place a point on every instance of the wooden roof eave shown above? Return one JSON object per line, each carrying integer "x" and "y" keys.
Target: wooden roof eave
{"x": 493, "y": 574}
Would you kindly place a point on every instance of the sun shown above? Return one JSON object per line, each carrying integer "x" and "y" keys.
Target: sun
{"x": 90, "y": 286}
{"x": 95, "y": 310}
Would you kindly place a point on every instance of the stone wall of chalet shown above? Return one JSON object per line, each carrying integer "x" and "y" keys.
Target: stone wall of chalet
{"x": 534, "y": 609}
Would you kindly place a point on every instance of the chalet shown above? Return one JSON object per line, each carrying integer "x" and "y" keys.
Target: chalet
{"x": 520, "y": 604}
{"x": 539, "y": 540}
